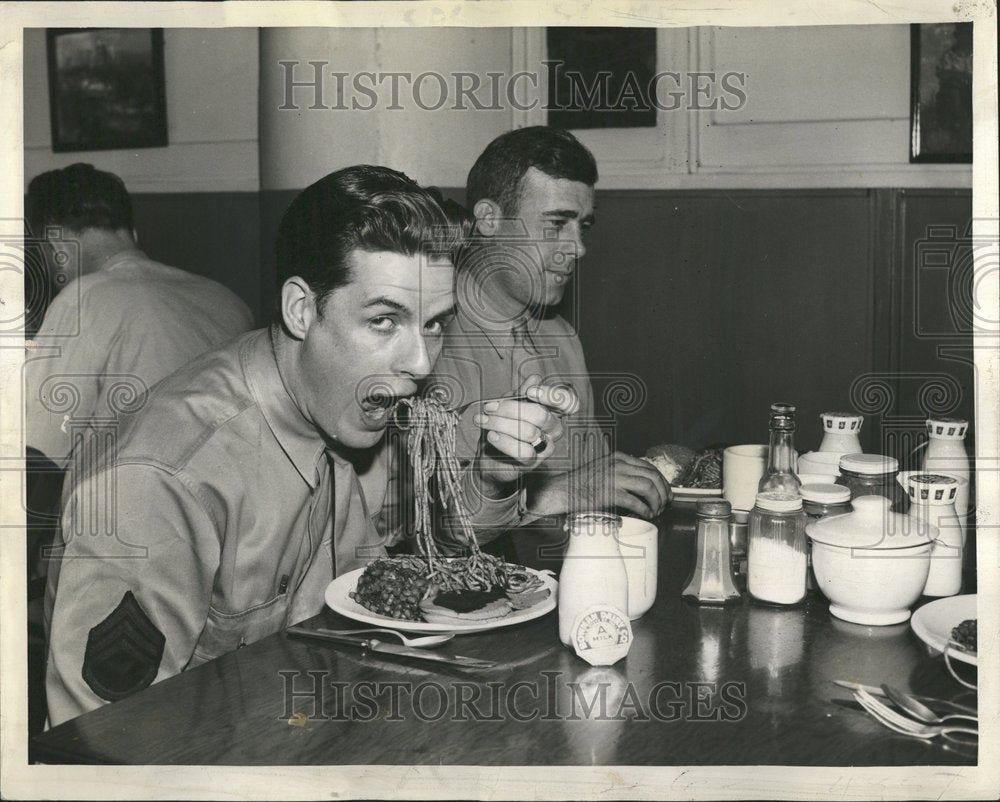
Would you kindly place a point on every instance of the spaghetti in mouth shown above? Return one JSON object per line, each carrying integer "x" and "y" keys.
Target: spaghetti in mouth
{"x": 430, "y": 585}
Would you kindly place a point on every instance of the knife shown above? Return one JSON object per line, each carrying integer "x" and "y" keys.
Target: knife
{"x": 375, "y": 645}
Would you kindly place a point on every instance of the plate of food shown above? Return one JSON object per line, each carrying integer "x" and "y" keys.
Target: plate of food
{"x": 952, "y": 619}
{"x": 460, "y": 595}
{"x": 435, "y": 592}
{"x": 693, "y": 475}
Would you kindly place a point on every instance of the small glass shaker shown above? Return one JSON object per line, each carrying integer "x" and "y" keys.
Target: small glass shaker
{"x": 712, "y": 581}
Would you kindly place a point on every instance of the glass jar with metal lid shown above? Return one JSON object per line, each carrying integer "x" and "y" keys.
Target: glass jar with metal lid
{"x": 776, "y": 552}
{"x": 873, "y": 475}
{"x": 821, "y": 500}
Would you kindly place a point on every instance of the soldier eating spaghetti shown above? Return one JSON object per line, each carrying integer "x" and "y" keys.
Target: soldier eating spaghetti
{"x": 258, "y": 472}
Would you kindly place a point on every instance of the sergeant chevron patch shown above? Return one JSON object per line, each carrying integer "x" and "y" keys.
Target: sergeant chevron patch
{"x": 123, "y": 652}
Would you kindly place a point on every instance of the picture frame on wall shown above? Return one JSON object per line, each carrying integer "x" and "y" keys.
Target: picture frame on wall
{"x": 941, "y": 92}
{"x": 600, "y": 77}
{"x": 106, "y": 88}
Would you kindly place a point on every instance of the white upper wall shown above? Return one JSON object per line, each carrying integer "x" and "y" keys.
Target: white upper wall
{"x": 301, "y": 144}
{"x": 211, "y": 83}
{"x": 826, "y": 106}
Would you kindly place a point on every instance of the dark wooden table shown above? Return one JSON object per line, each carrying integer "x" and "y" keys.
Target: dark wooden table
{"x": 741, "y": 685}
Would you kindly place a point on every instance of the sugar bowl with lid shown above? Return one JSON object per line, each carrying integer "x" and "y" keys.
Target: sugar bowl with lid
{"x": 871, "y": 563}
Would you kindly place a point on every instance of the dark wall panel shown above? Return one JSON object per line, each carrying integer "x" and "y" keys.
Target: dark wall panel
{"x": 719, "y": 302}
{"x": 723, "y": 302}
{"x": 933, "y": 305}
{"x": 214, "y": 234}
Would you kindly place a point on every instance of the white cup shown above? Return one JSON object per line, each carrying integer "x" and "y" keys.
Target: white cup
{"x": 742, "y": 467}
{"x": 820, "y": 462}
{"x": 637, "y": 542}
{"x": 818, "y": 478}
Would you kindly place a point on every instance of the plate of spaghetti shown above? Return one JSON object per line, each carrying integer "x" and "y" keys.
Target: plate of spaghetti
{"x": 434, "y": 591}
{"x": 491, "y": 610}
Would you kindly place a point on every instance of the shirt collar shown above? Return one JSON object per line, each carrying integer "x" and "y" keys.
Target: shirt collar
{"x": 485, "y": 309}
{"x": 128, "y": 255}
{"x": 297, "y": 437}
{"x": 481, "y": 313}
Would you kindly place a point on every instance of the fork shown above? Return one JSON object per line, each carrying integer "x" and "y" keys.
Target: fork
{"x": 402, "y": 419}
{"x": 422, "y": 640}
{"x": 903, "y": 725}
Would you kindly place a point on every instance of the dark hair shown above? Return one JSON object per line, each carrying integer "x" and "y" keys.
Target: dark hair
{"x": 362, "y": 208}
{"x": 78, "y": 197}
{"x": 499, "y": 170}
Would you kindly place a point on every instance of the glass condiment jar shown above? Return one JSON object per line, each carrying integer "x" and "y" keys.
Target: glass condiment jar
{"x": 779, "y": 473}
{"x": 820, "y": 501}
{"x": 776, "y": 551}
{"x": 711, "y": 581}
{"x": 873, "y": 475}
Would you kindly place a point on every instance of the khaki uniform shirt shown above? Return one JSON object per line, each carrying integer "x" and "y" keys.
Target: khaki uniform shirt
{"x": 220, "y": 520}
{"x": 484, "y": 358}
{"x": 111, "y": 335}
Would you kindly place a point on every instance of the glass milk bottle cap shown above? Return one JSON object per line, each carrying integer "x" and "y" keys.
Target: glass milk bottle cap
{"x": 822, "y": 493}
{"x": 868, "y": 464}
{"x": 779, "y": 502}
{"x": 841, "y": 422}
{"x": 594, "y": 522}
{"x": 947, "y": 428}
{"x": 932, "y": 488}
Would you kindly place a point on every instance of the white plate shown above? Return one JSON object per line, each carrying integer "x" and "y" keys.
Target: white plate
{"x": 338, "y": 600}
{"x": 934, "y": 622}
{"x": 691, "y": 493}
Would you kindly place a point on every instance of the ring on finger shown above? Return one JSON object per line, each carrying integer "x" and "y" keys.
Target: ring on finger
{"x": 541, "y": 443}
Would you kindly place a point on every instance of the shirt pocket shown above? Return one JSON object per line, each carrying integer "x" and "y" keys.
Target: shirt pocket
{"x": 226, "y": 632}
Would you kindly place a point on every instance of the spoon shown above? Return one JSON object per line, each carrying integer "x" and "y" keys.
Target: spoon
{"x": 919, "y": 710}
{"x": 421, "y": 640}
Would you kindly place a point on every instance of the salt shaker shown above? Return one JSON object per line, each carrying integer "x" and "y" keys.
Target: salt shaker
{"x": 776, "y": 566}
{"x": 712, "y": 579}
{"x": 932, "y": 500}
